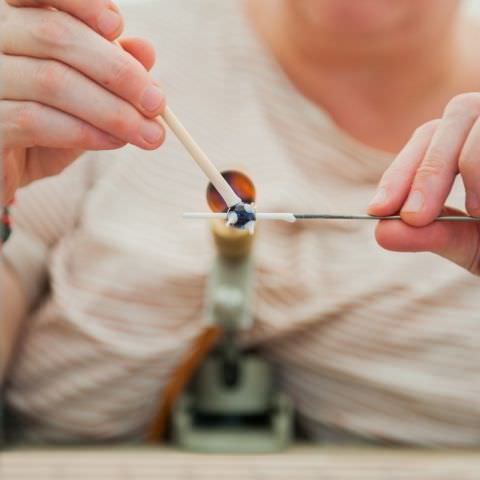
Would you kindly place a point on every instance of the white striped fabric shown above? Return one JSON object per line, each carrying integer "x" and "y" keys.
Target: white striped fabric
{"x": 380, "y": 344}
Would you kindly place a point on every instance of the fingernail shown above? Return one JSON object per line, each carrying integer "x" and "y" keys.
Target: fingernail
{"x": 113, "y": 7}
{"x": 472, "y": 200}
{"x": 152, "y": 132}
{"x": 414, "y": 203}
{"x": 109, "y": 22}
{"x": 152, "y": 99}
{"x": 380, "y": 197}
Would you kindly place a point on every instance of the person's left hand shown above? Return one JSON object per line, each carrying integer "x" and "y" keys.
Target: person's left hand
{"x": 420, "y": 179}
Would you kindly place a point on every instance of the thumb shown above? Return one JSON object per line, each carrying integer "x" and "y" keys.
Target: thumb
{"x": 458, "y": 242}
{"x": 44, "y": 162}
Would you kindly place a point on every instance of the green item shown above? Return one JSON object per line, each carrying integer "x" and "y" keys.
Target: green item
{"x": 232, "y": 405}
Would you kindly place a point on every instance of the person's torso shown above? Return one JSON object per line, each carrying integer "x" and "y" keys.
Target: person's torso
{"x": 128, "y": 283}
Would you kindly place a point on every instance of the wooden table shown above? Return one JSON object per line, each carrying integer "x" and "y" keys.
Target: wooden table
{"x": 299, "y": 463}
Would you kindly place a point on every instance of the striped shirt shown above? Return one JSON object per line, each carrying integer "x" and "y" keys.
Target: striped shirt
{"x": 379, "y": 344}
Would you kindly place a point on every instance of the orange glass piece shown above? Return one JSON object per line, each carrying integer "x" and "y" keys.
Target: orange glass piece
{"x": 240, "y": 184}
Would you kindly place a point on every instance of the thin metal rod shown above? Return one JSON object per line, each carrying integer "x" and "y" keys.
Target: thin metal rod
{"x": 445, "y": 218}
{"x": 291, "y": 217}
{"x": 204, "y": 216}
{"x": 206, "y": 165}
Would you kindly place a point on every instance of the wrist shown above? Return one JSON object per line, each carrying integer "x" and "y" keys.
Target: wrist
{"x": 5, "y": 225}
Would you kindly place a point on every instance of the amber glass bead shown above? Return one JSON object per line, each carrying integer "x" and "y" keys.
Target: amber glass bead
{"x": 240, "y": 184}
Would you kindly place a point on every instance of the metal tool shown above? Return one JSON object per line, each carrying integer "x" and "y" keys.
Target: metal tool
{"x": 445, "y": 218}
{"x": 292, "y": 217}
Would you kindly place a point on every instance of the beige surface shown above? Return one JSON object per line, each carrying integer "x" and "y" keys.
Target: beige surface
{"x": 296, "y": 464}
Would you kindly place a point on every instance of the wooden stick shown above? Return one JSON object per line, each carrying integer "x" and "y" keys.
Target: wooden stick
{"x": 206, "y": 165}
{"x": 224, "y": 189}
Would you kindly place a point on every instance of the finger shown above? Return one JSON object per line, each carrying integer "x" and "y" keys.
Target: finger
{"x": 140, "y": 49}
{"x": 436, "y": 174}
{"x": 55, "y": 35}
{"x": 469, "y": 166}
{"x": 45, "y": 162}
{"x": 12, "y": 170}
{"x": 65, "y": 89}
{"x": 22, "y": 168}
{"x": 103, "y": 16}
{"x": 28, "y": 124}
{"x": 457, "y": 242}
{"x": 395, "y": 184}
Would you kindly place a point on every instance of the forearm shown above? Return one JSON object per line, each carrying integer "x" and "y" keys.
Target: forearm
{"x": 13, "y": 307}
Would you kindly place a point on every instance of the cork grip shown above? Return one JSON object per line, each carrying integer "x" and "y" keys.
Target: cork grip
{"x": 231, "y": 243}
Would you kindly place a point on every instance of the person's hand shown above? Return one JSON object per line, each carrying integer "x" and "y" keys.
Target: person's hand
{"x": 419, "y": 180}
{"x": 66, "y": 88}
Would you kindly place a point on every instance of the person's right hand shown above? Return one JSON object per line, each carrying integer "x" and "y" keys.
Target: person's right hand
{"x": 66, "y": 88}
